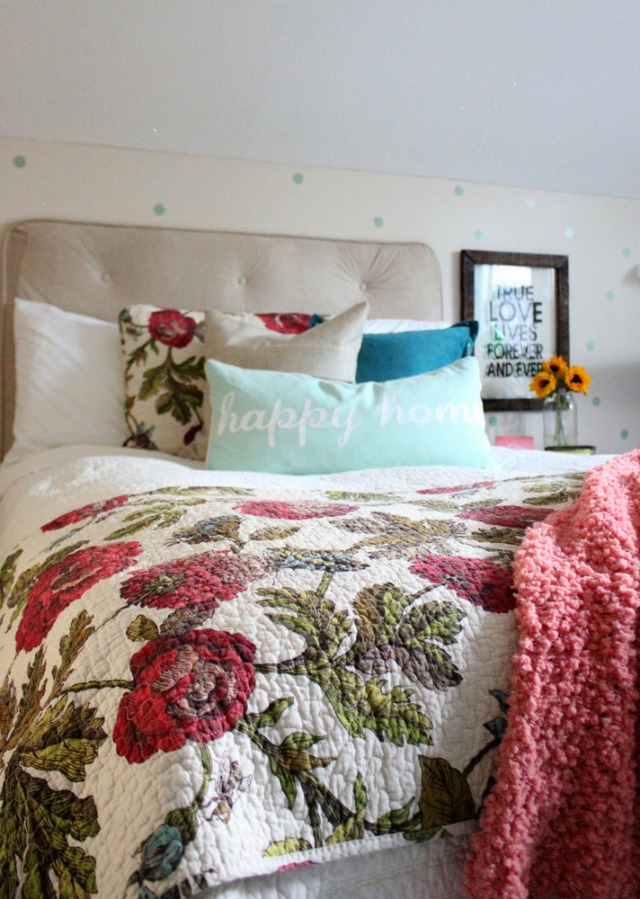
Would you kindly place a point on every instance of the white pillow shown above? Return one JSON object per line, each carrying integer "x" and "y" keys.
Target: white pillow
{"x": 394, "y": 325}
{"x": 69, "y": 380}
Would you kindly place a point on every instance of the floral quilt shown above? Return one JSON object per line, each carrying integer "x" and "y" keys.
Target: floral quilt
{"x": 200, "y": 684}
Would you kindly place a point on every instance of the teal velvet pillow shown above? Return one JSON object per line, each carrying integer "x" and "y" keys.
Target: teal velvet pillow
{"x": 297, "y": 424}
{"x": 384, "y": 357}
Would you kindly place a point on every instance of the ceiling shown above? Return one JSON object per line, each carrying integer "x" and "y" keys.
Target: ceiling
{"x": 527, "y": 93}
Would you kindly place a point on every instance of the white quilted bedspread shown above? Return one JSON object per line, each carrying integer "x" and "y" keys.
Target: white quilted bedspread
{"x": 206, "y": 678}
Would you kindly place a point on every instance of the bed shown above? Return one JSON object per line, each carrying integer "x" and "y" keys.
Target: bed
{"x": 269, "y": 598}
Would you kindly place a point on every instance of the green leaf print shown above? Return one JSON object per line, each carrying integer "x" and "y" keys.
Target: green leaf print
{"x": 32, "y": 693}
{"x": 353, "y": 827}
{"x": 445, "y": 797}
{"x": 70, "y": 647}
{"x": 8, "y": 707}
{"x": 389, "y": 714}
{"x": 65, "y": 738}
{"x": 286, "y": 847}
{"x": 396, "y": 535}
{"x": 272, "y": 714}
{"x": 360, "y": 497}
{"x": 551, "y": 493}
{"x": 312, "y": 616}
{"x": 154, "y": 379}
{"x": 35, "y": 824}
{"x": 7, "y": 575}
{"x": 394, "y": 820}
{"x": 275, "y": 533}
{"x": 180, "y": 400}
{"x": 47, "y": 733}
{"x": 390, "y": 628}
{"x": 360, "y": 704}
{"x": 162, "y": 514}
{"x": 142, "y": 629}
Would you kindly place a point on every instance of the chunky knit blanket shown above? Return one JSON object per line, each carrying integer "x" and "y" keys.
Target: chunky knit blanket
{"x": 563, "y": 818}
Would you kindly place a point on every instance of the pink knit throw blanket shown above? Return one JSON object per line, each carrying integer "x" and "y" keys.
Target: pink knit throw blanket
{"x": 562, "y": 819}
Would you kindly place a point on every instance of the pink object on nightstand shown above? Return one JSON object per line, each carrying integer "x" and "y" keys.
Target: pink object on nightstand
{"x": 515, "y": 442}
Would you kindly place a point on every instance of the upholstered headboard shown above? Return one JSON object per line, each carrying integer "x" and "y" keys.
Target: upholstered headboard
{"x": 98, "y": 269}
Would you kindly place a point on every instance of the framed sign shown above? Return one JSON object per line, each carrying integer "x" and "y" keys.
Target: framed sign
{"x": 521, "y": 301}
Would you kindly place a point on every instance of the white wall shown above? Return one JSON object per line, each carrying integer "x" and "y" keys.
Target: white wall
{"x": 600, "y": 235}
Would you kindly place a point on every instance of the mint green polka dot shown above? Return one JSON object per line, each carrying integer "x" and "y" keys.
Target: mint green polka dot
{"x": 159, "y": 209}
{"x": 596, "y": 401}
{"x": 478, "y": 234}
{"x": 610, "y": 294}
{"x": 19, "y": 162}
{"x": 458, "y": 190}
{"x": 493, "y": 421}
{"x": 626, "y": 252}
{"x": 568, "y": 232}
{"x": 298, "y": 178}
{"x": 531, "y": 202}
{"x": 590, "y": 344}
{"x": 624, "y": 434}
{"x": 378, "y": 222}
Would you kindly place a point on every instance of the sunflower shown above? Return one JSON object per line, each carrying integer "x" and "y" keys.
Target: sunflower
{"x": 576, "y": 378}
{"x": 557, "y": 367}
{"x": 544, "y": 383}
{"x": 557, "y": 375}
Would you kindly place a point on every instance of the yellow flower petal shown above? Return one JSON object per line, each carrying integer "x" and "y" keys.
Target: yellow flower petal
{"x": 543, "y": 384}
{"x": 556, "y": 366}
{"x": 577, "y": 379}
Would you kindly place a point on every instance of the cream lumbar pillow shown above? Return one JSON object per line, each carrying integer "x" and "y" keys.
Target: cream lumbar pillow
{"x": 327, "y": 350}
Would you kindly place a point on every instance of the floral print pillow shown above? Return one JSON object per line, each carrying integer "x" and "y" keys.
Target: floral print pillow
{"x": 167, "y": 405}
{"x": 163, "y": 355}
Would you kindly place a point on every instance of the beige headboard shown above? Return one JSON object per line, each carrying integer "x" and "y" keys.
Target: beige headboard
{"x": 98, "y": 269}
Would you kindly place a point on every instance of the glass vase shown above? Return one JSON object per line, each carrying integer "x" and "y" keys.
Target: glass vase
{"x": 560, "y": 419}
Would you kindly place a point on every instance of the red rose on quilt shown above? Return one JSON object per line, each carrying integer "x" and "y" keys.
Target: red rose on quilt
{"x": 84, "y": 512}
{"x": 205, "y": 579}
{"x": 518, "y": 517}
{"x": 480, "y": 581}
{"x": 189, "y": 687}
{"x": 292, "y": 865}
{"x": 289, "y": 322}
{"x": 171, "y": 327}
{"x": 295, "y": 511}
{"x": 66, "y": 580}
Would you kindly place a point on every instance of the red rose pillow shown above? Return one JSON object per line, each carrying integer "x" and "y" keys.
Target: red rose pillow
{"x": 167, "y": 405}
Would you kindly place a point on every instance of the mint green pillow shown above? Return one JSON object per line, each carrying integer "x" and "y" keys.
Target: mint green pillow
{"x": 296, "y": 424}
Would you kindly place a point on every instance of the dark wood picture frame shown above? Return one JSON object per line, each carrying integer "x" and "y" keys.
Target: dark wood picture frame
{"x": 469, "y": 259}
